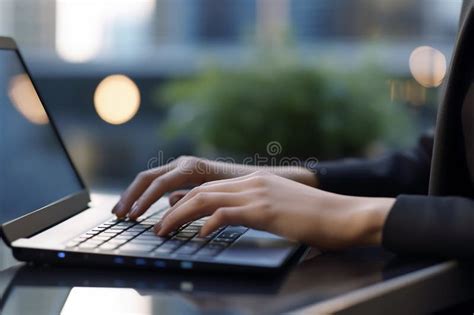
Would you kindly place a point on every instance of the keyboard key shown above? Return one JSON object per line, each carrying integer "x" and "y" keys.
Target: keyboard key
{"x": 232, "y": 233}
{"x": 116, "y": 230}
{"x": 150, "y": 237}
{"x": 112, "y": 222}
{"x": 130, "y": 233}
{"x": 188, "y": 249}
{"x": 137, "y": 248}
{"x": 200, "y": 239}
{"x": 137, "y": 229}
{"x": 123, "y": 237}
{"x": 80, "y": 239}
{"x": 149, "y": 232}
{"x": 191, "y": 229}
{"x": 108, "y": 246}
{"x": 100, "y": 238}
{"x": 117, "y": 241}
{"x": 88, "y": 245}
{"x": 126, "y": 223}
{"x": 173, "y": 243}
{"x": 236, "y": 229}
{"x": 186, "y": 234}
{"x": 86, "y": 235}
{"x": 181, "y": 238}
{"x": 108, "y": 233}
{"x": 99, "y": 229}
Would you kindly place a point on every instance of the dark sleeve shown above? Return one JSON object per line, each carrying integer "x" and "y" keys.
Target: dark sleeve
{"x": 405, "y": 172}
{"x": 426, "y": 225}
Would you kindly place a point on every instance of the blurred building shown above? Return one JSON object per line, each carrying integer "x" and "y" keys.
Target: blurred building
{"x": 72, "y": 45}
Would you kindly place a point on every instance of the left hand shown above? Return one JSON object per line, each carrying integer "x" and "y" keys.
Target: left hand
{"x": 265, "y": 201}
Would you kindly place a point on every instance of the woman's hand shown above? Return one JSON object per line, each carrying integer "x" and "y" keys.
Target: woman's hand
{"x": 151, "y": 185}
{"x": 281, "y": 206}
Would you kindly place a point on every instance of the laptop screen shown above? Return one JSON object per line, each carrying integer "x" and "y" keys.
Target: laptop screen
{"x": 34, "y": 168}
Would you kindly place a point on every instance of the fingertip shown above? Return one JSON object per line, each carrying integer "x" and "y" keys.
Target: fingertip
{"x": 157, "y": 228}
{"x": 118, "y": 206}
{"x": 119, "y": 216}
{"x": 135, "y": 212}
{"x": 204, "y": 232}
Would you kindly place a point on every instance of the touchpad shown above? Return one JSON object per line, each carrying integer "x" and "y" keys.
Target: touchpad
{"x": 258, "y": 248}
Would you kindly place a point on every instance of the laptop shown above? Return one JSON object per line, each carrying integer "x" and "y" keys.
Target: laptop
{"x": 49, "y": 219}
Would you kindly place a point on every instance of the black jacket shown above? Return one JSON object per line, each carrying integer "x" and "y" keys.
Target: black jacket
{"x": 434, "y": 182}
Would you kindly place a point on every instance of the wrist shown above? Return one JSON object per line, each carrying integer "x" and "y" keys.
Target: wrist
{"x": 374, "y": 212}
{"x": 298, "y": 174}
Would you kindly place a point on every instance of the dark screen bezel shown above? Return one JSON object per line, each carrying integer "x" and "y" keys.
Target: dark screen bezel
{"x": 40, "y": 219}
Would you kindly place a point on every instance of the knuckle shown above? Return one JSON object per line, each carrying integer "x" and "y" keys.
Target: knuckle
{"x": 143, "y": 175}
{"x": 200, "y": 199}
{"x": 157, "y": 183}
{"x": 265, "y": 206}
{"x": 262, "y": 193}
{"x": 190, "y": 165}
{"x": 223, "y": 214}
{"x": 196, "y": 190}
{"x": 260, "y": 179}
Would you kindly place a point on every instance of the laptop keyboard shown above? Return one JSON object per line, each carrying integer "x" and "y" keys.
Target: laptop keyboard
{"x": 137, "y": 237}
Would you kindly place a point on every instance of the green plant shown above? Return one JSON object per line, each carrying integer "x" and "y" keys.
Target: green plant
{"x": 310, "y": 111}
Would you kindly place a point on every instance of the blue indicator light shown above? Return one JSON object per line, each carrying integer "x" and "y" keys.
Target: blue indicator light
{"x": 160, "y": 264}
{"x": 118, "y": 260}
{"x": 140, "y": 262}
{"x": 61, "y": 255}
{"x": 186, "y": 265}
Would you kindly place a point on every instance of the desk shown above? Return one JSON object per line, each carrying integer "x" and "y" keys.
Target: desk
{"x": 353, "y": 281}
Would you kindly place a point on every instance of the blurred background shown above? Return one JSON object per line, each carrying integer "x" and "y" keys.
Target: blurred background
{"x": 132, "y": 83}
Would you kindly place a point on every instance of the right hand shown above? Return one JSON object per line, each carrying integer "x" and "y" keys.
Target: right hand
{"x": 150, "y": 185}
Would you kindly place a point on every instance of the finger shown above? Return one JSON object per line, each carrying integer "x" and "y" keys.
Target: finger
{"x": 131, "y": 194}
{"x": 170, "y": 181}
{"x": 235, "y": 185}
{"x": 201, "y": 205}
{"x": 227, "y": 216}
{"x": 229, "y": 180}
{"x": 138, "y": 186}
{"x": 175, "y": 196}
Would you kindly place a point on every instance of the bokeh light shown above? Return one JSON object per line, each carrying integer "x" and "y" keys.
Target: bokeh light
{"x": 117, "y": 99}
{"x": 25, "y": 99}
{"x": 82, "y": 30}
{"x": 79, "y": 34}
{"x": 428, "y": 66}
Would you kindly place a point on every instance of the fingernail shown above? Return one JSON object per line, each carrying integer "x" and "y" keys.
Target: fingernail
{"x": 134, "y": 210}
{"x": 116, "y": 207}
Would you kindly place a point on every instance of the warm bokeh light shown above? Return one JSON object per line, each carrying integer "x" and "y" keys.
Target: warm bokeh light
{"x": 78, "y": 31}
{"x": 82, "y": 30}
{"x": 25, "y": 99}
{"x": 428, "y": 66}
{"x": 117, "y": 99}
